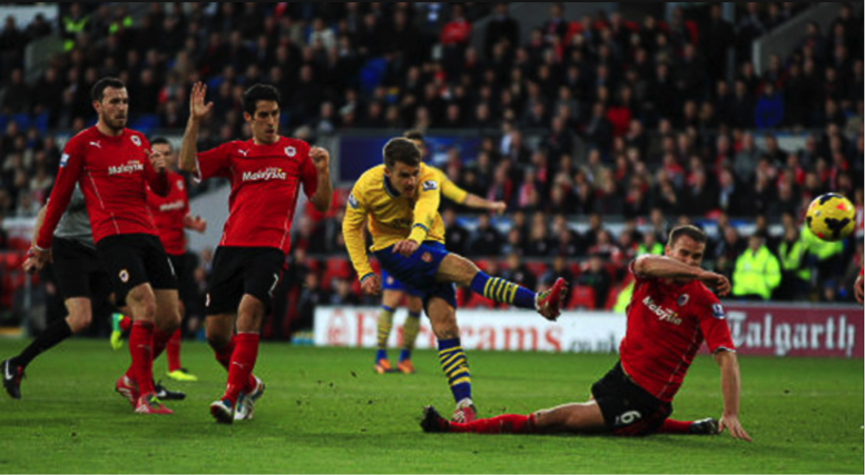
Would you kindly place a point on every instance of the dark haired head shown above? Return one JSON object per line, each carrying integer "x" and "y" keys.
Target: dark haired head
{"x": 693, "y": 232}
{"x": 256, "y": 93}
{"x": 162, "y": 141}
{"x": 401, "y": 150}
{"x": 98, "y": 90}
{"x": 415, "y": 134}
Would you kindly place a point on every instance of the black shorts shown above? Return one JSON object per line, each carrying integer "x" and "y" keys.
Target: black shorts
{"x": 135, "y": 259}
{"x": 628, "y": 409}
{"x": 238, "y": 271}
{"x": 79, "y": 272}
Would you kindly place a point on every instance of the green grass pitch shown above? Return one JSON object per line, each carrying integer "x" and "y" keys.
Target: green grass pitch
{"x": 325, "y": 411}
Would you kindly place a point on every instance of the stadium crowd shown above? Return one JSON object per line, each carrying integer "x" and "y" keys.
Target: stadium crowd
{"x": 597, "y": 120}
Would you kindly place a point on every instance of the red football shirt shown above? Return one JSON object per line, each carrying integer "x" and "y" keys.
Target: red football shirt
{"x": 265, "y": 180}
{"x": 667, "y": 324}
{"x": 113, "y": 173}
{"x": 169, "y": 212}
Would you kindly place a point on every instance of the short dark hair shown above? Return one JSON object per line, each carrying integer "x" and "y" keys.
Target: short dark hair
{"x": 690, "y": 231}
{"x": 401, "y": 150}
{"x": 161, "y": 141}
{"x": 97, "y": 92}
{"x": 415, "y": 134}
{"x": 259, "y": 92}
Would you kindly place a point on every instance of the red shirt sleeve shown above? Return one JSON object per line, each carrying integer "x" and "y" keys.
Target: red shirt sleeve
{"x": 713, "y": 323}
{"x": 71, "y": 164}
{"x": 308, "y": 175}
{"x": 215, "y": 163}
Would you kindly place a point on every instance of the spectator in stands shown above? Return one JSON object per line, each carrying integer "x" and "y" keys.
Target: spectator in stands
{"x": 487, "y": 240}
{"x": 596, "y": 277}
{"x": 795, "y": 271}
{"x": 456, "y": 236}
{"x": 516, "y": 271}
{"x": 501, "y": 27}
{"x": 717, "y": 36}
{"x": 757, "y": 273}
{"x": 342, "y": 294}
{"x": 17, "y": 98}
{"x": 770, "y": 108}
{"x": 311, "y": 296}
{"x": 559, "y": 268}
{"x": 4, "y": 236}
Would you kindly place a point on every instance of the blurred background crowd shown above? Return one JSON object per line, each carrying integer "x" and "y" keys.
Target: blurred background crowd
{"x": 599, "y": 133}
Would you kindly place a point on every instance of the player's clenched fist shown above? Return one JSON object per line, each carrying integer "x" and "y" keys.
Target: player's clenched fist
{"x": 405, "y": 248}
{"x": 320, "y": 159}
{"x": 371, "y": 285}
{"x": 717, "y": 281}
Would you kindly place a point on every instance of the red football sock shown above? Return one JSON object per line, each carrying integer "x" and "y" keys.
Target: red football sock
{"x": 141, "y": 349}
{"x": 224, "y": 355}
{"x": 173, "y": 351}
{"x": 160, "y": 342}
{"x": 125, "y": 324}
{"x": 675, "y": 427}
{"x": 224, "y": 358}
{"x": 242, "y": 364}
{"x": 504, "y": 424}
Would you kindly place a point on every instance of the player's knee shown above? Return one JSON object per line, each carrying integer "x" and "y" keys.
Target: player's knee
{"x": 79, "y": 321}
{"x": 466, "y": 271}
{"x": 143, "y": 303}
{"x": 445, "y": 327}
{"x": 249, "y": 315}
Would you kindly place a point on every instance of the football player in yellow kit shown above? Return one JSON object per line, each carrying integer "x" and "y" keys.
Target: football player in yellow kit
{"x": 400, "y": 201}
{"x": 393, "y": 291}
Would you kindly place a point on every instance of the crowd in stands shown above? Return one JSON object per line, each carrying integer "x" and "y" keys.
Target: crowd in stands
{"x": 586, "y": 120}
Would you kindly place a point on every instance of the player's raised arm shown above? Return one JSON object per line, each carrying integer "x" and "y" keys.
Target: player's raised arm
{"x": 198, "y": 110}
{"x": 352, "y": 233}
{"x": 323, "y": 196}
{"x": 456, "y": 194}
{"x": 730, "y": 388}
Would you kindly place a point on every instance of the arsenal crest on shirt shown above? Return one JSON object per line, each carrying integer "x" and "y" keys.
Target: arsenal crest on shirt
{"x": 290, "y": 152}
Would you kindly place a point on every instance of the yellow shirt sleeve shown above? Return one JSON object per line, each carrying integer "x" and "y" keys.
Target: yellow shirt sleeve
{"x": 352, "y": 233}
{"x": 426, "y": 207}
{"x": 451, "y": 191}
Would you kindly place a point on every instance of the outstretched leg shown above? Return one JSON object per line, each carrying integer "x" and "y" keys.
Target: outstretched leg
{"x": 462, "y": 271}
{"x": 569, "y": 418}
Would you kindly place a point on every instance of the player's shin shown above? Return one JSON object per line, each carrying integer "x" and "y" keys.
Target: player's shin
{"x": 242, "y": 364}
{"x": 503, "y": 291}
{"x": 410, "y": 330}
{"x": 223, "y": 356}
{"x": 160, "y": 341}
{"x": 141, "y": 350}
{"x": 54, "y": 334}
{"x": 456, "y": 368}
{"x": 385, "y": 324}
{"x": 173, "y": 351}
